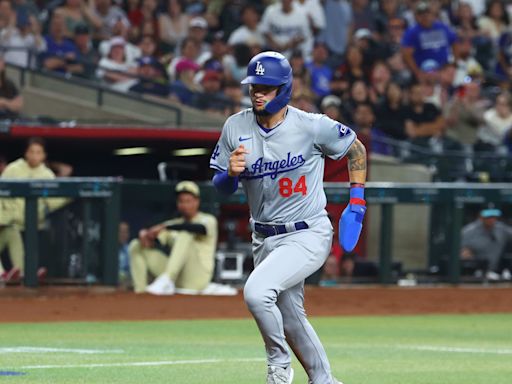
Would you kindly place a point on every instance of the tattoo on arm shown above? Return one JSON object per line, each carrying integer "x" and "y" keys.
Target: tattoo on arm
{"x": 357, "y": 157}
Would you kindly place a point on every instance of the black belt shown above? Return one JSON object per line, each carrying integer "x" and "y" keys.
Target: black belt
{"x": 268, "y": 230}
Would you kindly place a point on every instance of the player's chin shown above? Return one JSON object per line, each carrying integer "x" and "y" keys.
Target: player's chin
{"x": 259, "y": 110}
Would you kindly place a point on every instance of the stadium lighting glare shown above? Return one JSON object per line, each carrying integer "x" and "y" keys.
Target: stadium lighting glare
{"x": 131, "y": 151}
{"x": 191, "y": 152}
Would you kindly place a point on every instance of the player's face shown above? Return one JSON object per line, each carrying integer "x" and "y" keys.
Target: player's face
{"x": 188, "y": 205}
{"x": 261, "y": 95}
{"x": 35, "y": 155}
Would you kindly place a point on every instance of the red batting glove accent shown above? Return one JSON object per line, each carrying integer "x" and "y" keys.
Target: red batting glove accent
{"x": 357, "y": 201}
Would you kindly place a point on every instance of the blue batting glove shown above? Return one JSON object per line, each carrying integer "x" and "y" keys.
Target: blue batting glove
{"x": 351, "y": 220}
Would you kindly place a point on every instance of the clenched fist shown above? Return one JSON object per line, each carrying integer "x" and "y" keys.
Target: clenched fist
{"x": 237, "y": 161}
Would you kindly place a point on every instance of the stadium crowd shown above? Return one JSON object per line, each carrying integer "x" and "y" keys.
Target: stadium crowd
{"x": 436, "y": 73}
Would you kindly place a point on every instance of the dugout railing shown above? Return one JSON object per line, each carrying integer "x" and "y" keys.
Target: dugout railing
{"x": 103, "y": 191}
{"x": 446, "y": 199}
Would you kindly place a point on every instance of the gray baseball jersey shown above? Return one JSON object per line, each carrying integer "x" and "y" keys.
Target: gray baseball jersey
{"x": 283, "y": 179}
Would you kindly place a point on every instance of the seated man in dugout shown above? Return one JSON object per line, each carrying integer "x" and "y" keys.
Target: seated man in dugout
{"x": 12, "y": 210}
{"x": 180, "y": 253}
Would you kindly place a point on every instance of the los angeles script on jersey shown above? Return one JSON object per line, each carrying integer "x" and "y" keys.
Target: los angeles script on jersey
{"x": 261, "y": 168}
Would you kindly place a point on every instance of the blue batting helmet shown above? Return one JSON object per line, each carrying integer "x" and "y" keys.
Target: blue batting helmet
{"x": 271, "y": 68}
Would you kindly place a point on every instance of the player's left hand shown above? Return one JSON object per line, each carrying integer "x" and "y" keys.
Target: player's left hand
{"x": 351, "y": 220}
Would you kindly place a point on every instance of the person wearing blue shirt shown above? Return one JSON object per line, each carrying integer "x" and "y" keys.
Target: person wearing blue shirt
{"x": 61, "y": 53}
{"x": 320, "y": 73}
{"x": 427, "y": 40}
{"x": 504, "y": 63}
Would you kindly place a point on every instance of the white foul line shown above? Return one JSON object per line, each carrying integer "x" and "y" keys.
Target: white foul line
{"x": 145, "y": 363}
{"x": 501, "y": 351}
{"x": 58, "y": 350}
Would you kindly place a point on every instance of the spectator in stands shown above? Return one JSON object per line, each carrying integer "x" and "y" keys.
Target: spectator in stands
{"x": 380, "y": 77}
{"x": 77, "y": 12}
{"x": 495, "y": 20}
{"x": 464, "y": 114}
{"x": 364, "y": 120}
{"x": 26, "y": 6}
{"x": 109, "y": 15}
{"x": 484, "y": 241}
{"x": 87, "y": 57}
{"x": 429, "y": 39}
{"x": 185, "y": 88}
{"x": 330, "y": 106}
{"x": 465, "y": 61}
{"x": 123, "y": 254}
{"x": 504, "y": 62}
{"x": 12, "y": 210}
{"x": 215, "y": 59}
{"x": 338, "y": 28}
{"x": 358, "y": 93}
{"x": 392, "y": 112}
{"x": 152, "y": 79}
{"x": 148, "y": 46}
{"x": 173, "y": 25}
{"x": 131, "y": 51}
{"x": 149, "y": 22}
{"x": 226, "y": 16}
{"x": 11, "y": 102}
{"x": 389, "y": 10}
{"x": 22, "y": 41}
{"x": 197, "y": 32}
{"x": 235, "y": 66}
{"x": 302, "y": 96}
{"x": 189, "y": 52}
{"x": 433, "y": 92}
{"x": 363, "y": 15}
{"x": 61, "y": 53}
{"x": 249, "y": 31}
{"x": 115, "y": 69}
{"x": 212, "y": 98}
{"x": 320, "y": 74}
{"x": 424, "y": 120}
{"x": 352, "y": 70}
{"x": 464, "y": 21}
{"x": 315, "y": 14}
{"x": 179, "y": 252}
{"x": 498, "y": 123}
{"x": 236, "y": 98}
{"x": 286, "y": 27}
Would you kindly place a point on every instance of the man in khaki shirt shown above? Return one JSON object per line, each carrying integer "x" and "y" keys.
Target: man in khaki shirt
{"x": 179, "y": 252}
{"x": 12, "y": 210}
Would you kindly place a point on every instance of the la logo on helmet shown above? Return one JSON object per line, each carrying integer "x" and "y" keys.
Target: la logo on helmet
{"x": 260, "y": 70}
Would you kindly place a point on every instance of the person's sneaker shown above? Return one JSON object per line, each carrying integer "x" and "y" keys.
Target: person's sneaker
{"x": 278, "y": 375}
{"x": 41, "y": 274}
{"x": 162, "y": 285}
{"x": 492, "y": 276}
{"x": 13, "y": 275}
{"x": 506, "y": 275}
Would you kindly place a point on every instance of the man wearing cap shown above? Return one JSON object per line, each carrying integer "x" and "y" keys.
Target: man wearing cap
{"x": 429, "y": 39}
{"x": 179, "y": 252}
{"x": 484, "y": 240}
{"x": 152, "y": 78}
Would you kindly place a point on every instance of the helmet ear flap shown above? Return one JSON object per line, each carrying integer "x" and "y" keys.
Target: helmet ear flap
{"x": 284, "y": 94}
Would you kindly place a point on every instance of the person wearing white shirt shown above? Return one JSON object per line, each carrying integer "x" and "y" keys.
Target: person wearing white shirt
{"x": 248, "y": 33}
{"x": 285, "y": 26}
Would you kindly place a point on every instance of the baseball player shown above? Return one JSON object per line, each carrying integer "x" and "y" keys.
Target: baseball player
{"x": 277, "y": 152}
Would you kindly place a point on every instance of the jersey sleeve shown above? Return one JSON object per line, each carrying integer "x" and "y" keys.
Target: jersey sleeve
{"x": 333, "y": 138}
{"x": 220, "y": 156}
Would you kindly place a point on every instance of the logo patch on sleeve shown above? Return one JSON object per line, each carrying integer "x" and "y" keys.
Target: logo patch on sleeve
{"x": 343, "y": 130}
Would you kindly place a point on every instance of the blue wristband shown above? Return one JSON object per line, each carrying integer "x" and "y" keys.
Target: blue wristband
{"x": 357, "y": 193}
{"x": 225, "y": 183}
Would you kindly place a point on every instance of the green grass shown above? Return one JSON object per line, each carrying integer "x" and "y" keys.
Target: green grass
{"x": 466, "y": 349}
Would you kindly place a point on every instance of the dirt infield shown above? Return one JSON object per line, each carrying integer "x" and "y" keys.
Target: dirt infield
{"x": 52, "y": 303}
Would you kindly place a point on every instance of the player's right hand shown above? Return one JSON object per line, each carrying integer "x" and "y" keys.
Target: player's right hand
{"x": 237, "y": 161}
